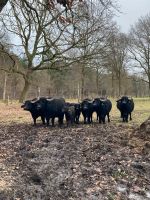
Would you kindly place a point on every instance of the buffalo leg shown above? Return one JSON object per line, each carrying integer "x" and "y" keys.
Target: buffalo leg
{"x": 89, "y": 119}
{"x": 47, "y": 121}
{"x": 60, "y": 121}
{"x": 103, "y": 120}
{"x": 108, "y": 117}
{"x": 97, "y": 116}
{"x": 77, "y": 119}
{"x": 130, "y": 117}
{"x": 100, "y": 121}
{"x": 43, "y": 120}
{"x": 84, "y": 120}
{"x": 34, "y": 121}
{"x": 53, "y": 119}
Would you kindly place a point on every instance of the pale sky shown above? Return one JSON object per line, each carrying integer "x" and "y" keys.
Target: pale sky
{"x": 131, "y": 10}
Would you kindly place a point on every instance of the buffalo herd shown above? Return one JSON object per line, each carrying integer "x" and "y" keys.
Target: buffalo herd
{"x": 49, "y": 108}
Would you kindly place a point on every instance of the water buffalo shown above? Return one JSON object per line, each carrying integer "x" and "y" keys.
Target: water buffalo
{"x": 87, "y": 110}
{"x": 52, "y": 108}
{"x": 72, "y": 112}
{"x": 102, "y": 107}
{"x": 77, "y": 112}
{"x": 69, "y": 111}
{"x": 126, "y": 106}
{"x": 32, "y": 107}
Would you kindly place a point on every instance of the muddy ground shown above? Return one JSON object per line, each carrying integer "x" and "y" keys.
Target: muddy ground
{"x": 83, "y": 162}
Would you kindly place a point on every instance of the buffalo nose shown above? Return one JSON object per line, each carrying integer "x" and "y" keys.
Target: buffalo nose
{"x": 38, "y": 106}
{"x": 85, "y": 108}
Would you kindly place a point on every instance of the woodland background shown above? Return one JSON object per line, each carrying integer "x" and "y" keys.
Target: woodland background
{"x": 74, "y": 50}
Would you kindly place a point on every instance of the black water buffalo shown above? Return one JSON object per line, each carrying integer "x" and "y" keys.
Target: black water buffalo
{"x": 87, "y": 110}
{"x": 126, "y": 106}
{"x": 102, "y": 107}
{"x": 53, "y": 108}
{"x": 32, "y": 107}
{"x": 69, "y": 111}
{"x": 77, "y": 112}
{"x": 73, "y": 111}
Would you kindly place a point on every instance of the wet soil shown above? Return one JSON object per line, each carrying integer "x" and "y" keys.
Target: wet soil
{"x": 82, "y": 162}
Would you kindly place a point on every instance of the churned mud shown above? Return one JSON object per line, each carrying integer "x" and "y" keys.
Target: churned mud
{"x": 83, "y": 162}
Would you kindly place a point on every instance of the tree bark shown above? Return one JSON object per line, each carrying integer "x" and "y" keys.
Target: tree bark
{"x": 149, "y": 83}
{"x": 24, "y": 91}
{"x": 82, "y": 82}
{"x": 5, "y": 86}
{"x": 149, "y": 89}
{"x": 112, "y": 84}
{"x": 97, "y": 81}
{"x": 119, "y": 83}
{"x": 78, "y": 92}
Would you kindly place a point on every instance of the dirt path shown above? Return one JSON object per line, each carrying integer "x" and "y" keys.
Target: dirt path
{"x": 85, "y": 162}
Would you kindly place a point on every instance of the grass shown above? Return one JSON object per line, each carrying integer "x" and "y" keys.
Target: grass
{"x": 12, "y": 112}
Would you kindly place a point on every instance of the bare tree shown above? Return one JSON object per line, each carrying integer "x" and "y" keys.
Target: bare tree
{"x": 98, "y": 20}
{"x": 116, "y": 57}
{"x": 46, "y": 37}
{"x": 140, "y": 47}
{"x": 7, "y": 61}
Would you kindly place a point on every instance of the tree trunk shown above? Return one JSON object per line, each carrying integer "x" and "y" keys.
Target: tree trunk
{"x": 112, "y": 84}
{"x": 119, "y": 83}
{"x": 97, "y": 81}
{"x": 14, "y": 87}
{"x": 5, "y": 86}
{"x": 149, "y": 84}
{"x": 82, "y": 81}
{"x": 24, "y": 91}
{"x": 149, "y": 89}
{"x": 78, "y": 92}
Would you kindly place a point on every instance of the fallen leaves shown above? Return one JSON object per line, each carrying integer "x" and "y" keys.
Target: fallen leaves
{"x": 80, "y": 162}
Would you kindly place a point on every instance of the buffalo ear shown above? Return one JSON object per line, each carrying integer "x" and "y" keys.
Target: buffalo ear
{"x": 118, "y": 100}
{"x": 23, "y": 105}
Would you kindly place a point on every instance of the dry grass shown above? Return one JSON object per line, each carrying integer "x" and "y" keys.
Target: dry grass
{"x": 13, "y": 113}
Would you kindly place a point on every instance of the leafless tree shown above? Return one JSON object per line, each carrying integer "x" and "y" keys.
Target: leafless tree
{"x": 98, "y": 20}
{"x": 140, "y": 47}
{"x": 46, "y": 36}
{"x": 116, "y": 57}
